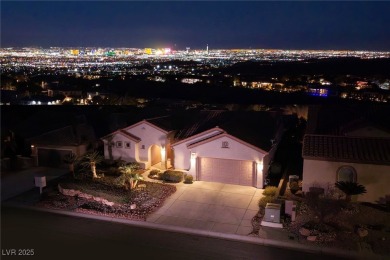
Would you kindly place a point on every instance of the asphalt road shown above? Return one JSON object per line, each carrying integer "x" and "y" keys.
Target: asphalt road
{"x": 53, "y": 236}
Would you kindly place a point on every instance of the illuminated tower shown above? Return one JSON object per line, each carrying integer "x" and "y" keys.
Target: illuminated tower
{"x": 207, "y": 49}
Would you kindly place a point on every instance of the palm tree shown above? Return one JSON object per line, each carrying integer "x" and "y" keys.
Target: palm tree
{"x": 350, "y": 188}
{"x": 109, "y": 146}
{"x": 91, "y": 160}
{"x": 129, "y": 176}
{"x": 70, "y": 159}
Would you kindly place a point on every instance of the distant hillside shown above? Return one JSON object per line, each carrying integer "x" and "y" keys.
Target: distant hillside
{"x": 331, "y": 66}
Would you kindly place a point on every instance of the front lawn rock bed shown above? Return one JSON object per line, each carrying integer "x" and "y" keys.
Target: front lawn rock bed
{"x": 99, "y": 198}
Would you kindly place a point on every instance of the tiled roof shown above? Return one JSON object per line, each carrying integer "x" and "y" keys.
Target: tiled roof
{"x": 338, "y": 118}
{"x": 347, "y": 149}
{"x": 62, "y": 136}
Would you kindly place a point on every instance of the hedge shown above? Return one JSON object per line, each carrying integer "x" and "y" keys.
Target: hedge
{"x": 172, "y": 176}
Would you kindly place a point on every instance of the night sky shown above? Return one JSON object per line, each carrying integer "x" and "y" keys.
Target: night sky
{"x": 285, "y": 25}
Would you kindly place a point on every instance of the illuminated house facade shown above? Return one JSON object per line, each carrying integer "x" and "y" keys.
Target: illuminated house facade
{"x": 226, "y": 154}
{"x": 143, "y": 142}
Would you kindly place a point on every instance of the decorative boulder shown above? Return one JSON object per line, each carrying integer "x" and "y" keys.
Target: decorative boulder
{"x": 304, "y": 232}
{"x": 362, "y": 232}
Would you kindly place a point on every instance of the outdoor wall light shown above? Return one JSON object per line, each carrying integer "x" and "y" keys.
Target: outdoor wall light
{"x": 193, "y": 155}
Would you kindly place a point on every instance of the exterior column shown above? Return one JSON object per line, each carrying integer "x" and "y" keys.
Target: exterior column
{"x": 163, "y": 158}
{"x": 192, "y": 169}
{"x": 260, "y": 175}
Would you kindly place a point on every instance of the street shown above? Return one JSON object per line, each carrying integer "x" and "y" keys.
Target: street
{"x": 52, "y": 236}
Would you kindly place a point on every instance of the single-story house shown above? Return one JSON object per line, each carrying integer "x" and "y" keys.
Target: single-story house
{"x": 145, "y": 142}
{"x": 366, "y": 160}
{"x": 50, "y": 148}
{"x": 220, "y": 146}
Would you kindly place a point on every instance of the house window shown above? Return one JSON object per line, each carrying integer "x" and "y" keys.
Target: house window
{"x": 225, "y": 144}
{"x": 346, "y": 173}
{"x": 143, "y": 146}
{"x": 119, "y": 144}
{"x": 127, "y": 145}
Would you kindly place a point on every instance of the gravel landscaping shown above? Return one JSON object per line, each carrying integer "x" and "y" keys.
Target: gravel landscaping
{"x": 356, "y": 227}
{"x": 146, "y": 198}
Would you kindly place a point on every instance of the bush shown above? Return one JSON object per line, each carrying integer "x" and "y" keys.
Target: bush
{"x": 113, "y": 171}
{"x": 172, "y": 176}
{"x": 294, "y": 187}
{"x": 188, "y": 179}
{"x": 155, "y": 174}
{"x": 270, "y": 191}
{"x": 266, "y": 199}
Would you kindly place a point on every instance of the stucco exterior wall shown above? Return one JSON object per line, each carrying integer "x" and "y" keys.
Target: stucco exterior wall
{"x": 236, "y": 150}
{"x": 124, "y": 153}
{"x": 149, "y": 136}
{"x": 182, "y": 154}
{"x": 375, "y": 178}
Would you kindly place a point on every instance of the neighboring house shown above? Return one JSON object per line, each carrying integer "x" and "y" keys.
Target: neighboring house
{"x": 351, "y": 144}
{"x": 49, "y": 148}
{"x": 328, "y": 159}
{"x": 220, "y": 146}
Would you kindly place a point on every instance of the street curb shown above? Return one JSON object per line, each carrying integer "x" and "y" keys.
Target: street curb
{"x": 211, "y": 234}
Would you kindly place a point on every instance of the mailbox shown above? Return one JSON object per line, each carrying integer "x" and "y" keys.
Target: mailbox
{"x": 40, "y": 181}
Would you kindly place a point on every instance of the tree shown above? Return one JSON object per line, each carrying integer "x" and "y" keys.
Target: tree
{"x": 350, "y": 188}
{"x": 109, "y": 143}
{"x": 91, "y": 160}
{"x": 129, "y": 178}
{"x": 71, "y": 159}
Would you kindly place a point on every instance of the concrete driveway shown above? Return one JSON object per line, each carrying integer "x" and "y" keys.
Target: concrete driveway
{"x": 210, "y": 206}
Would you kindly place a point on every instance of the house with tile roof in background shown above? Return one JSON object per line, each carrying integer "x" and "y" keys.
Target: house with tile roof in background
{"x": 221, "y": 146}
{"x": 348, "y": 144}
{"x": 45, "y": 137}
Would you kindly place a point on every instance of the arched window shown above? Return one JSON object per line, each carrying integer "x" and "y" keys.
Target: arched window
{"x": 346, "y": 173}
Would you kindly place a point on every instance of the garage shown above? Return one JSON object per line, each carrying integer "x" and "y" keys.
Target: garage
{"x": 52, "y": 157}
{"x": 226, "y": 171}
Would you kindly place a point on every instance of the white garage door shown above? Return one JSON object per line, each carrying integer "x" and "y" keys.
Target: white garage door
{"x": 226, "y": 171}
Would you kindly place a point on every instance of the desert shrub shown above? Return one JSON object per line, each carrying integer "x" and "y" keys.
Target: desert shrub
{"x": 188, "y": 178}
{"x": 266, "y": 199}
{"x": 155, "y": 174}
{"x": 323, "y": 207}
{"x": 113, "y": 171}
{"x": 172, "y": 176}
{"x": 294, "y": 186}
{"x": 270, "y": 191}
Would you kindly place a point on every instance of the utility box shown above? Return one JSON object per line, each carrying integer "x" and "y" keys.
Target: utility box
{"x": 272, "y": 213}
{"x": 290, "y": 209}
